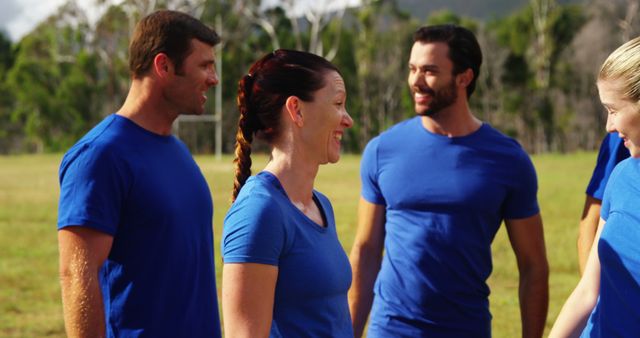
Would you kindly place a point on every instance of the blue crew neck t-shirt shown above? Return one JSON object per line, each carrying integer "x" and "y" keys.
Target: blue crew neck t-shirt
{"x": 612, "y": 151}
{"x": 314, "y": 274}
{"x": 445, "y": 199}
{"x": 617, "y": 312}
{"x": 147, "y": 192}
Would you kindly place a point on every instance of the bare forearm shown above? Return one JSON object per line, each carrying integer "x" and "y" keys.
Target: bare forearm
{"x": 366, "y": 257}
{"x": 365, "y": 270}
{"x": 575, "y": 312}
{"x": 585, "y": 241}
{"x": 587, "y": 230}
{"x": 534, "y": 300}
{"x": 82, "y": 305}
{"x": 82, "y": 253}
{"x": 573, "y": 316}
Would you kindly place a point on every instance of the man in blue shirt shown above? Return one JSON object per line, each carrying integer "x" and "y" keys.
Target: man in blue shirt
{"x": 612, "y": 151}
{"x": 135, "y": 214}
{"x": 435, "y": 189}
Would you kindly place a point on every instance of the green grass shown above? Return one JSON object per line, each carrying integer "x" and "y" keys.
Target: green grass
{"x": 30, "y": 295}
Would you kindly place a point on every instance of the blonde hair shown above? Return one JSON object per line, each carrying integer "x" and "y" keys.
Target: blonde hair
{"x": 624, "y": 65}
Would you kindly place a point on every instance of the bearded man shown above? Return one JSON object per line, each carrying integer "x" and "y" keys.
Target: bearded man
{"x": 435, "y": 189}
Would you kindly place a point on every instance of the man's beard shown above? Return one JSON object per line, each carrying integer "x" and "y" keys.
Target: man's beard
{"x": 441, "y": 99}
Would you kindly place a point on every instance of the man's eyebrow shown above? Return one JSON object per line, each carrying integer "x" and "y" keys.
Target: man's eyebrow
{"x": 425, "y": 67}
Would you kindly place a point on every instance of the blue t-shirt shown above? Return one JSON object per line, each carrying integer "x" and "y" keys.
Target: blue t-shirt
{"x": 314, "y": 274}
{"x": 445, "y": 199}
{"x": 612, "y": 151}
{"x": 147, "y": 192}
{"x": 617, "y": 312}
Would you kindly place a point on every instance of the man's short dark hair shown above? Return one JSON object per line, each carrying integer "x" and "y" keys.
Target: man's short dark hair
{"x": 464, "y": 50}
{"x": 168, "y": 32}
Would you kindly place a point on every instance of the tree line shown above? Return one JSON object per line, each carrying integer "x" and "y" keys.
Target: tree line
{"x": 537, "y": 82}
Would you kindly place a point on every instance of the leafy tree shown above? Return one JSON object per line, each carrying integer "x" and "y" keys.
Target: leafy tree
{"x": 536, "y": 83}
{"x": 110, "y": 45}
{"x": 9, "y": 132}
{"x": 536, "y": 38}
{"x": 78, "y": 101}
{"x": 46, "y": 65}
{"x": 6, "y": 54}
{"x": 446, "y": 16}
{"x": 381, "y": 46}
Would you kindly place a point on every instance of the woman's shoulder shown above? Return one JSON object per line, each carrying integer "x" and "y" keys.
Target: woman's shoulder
{"x": 257, "y": 198}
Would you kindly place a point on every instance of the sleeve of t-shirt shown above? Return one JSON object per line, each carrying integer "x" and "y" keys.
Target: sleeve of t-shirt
{"x": 92, "y": 189}
{"x": 369, "y": 173}
{"x": 522, "y": 201}
{"x": 253, "y": 231}
{"x": 606, "y": 205}
{"x": 608, "y": 192}
{"x": 612, "y": 151}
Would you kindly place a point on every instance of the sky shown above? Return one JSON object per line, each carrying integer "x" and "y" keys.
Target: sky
{"x": 19, "y": 17}
{"x": 316, "y": 5}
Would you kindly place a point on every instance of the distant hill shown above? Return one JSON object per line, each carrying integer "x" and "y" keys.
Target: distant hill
{"x": 478, "y": 9}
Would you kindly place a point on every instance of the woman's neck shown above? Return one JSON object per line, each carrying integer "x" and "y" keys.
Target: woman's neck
{"x": 295, "y": 173}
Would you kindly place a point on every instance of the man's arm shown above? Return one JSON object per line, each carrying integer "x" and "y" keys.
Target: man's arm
{"x": 527, "y": 239}
{"x": 587, "y": 230}
{"x": 366, "y": 257}
{"x": 82, "y": 253}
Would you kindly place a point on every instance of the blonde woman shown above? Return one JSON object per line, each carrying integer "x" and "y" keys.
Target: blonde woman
{"x": 606, "y": 301}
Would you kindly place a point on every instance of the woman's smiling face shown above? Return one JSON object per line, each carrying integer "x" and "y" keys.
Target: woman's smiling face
{"x": 623, "y": 115}
{"x": 326, "y": 118}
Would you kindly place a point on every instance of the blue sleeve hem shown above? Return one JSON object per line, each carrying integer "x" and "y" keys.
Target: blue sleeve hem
{"x": 372, "y": 199}
{"x": 369, "y": 173}
{"x": 86, "y": 224}
{"x": 248, "y": 259}
{"x": 526, "y": 214}
{"x": 612, "y": 151}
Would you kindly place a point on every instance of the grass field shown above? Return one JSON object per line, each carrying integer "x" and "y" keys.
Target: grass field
{"x": 30, "y": 295}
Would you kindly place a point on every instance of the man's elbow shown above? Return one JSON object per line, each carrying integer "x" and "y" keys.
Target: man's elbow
{"x": 73, "y": 273}
{"x": 536, "y": 272}
{"x": 365, "y": 251}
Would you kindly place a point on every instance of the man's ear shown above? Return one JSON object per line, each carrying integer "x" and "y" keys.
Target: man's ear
{"x": 464, "y": 79}
{"x": 293, "y": 108}
{"x": 162, "y": 65}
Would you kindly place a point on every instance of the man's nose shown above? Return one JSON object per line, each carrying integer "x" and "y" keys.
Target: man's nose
{"x": 212, "y": 79}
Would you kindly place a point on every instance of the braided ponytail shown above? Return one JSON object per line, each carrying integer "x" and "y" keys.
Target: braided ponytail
{"x": 244, "y": 136}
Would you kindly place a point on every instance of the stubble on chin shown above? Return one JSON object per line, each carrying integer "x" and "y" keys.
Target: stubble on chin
{"x": 427, "y": 112}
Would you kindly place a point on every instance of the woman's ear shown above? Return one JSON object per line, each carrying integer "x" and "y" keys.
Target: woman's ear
{"x": 293, "y": 108}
